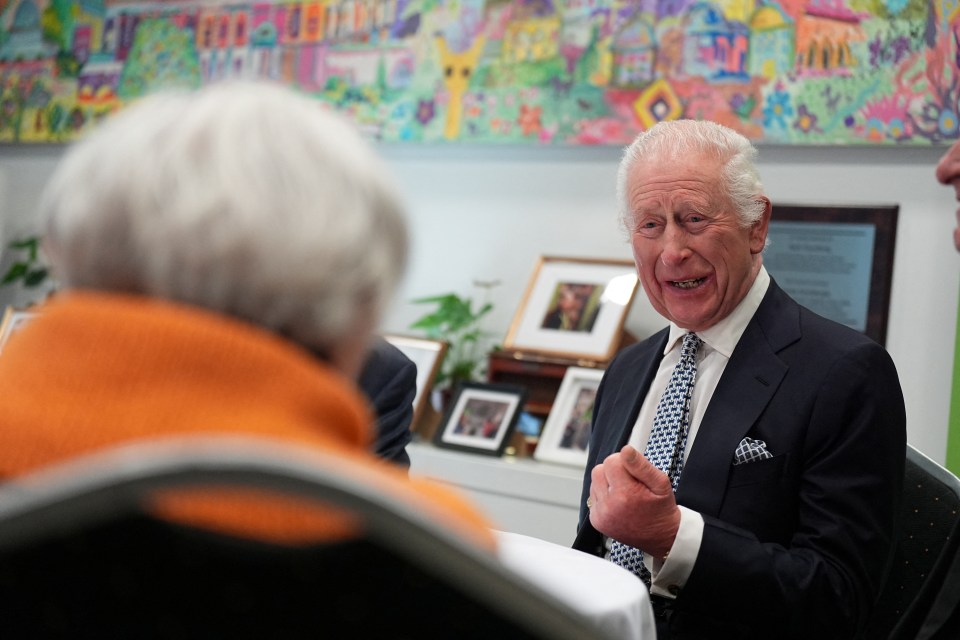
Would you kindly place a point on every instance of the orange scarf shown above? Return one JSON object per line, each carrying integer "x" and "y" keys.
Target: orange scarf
{"x": 93, "y": 370}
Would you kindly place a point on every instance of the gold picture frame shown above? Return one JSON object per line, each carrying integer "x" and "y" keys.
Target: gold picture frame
{"x": 574, "y": 308}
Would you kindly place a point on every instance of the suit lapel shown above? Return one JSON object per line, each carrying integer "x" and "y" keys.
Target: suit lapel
{"x": 622, "y": 397}
{"x": 746, "y": 386}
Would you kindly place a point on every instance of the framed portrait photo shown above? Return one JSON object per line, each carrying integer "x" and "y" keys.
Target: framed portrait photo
{"x": 481, "y": 418}
{"x": 428, "y": 356}
{"x": 574, "y": 308}
{"x": 566, "y": 432}
{"x": 13, "y": 321}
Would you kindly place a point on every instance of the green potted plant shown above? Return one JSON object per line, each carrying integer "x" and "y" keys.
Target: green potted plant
{"x": 456, "y": 321}
{"x": 27, "y": 279}
{"x": 29, "y": 269}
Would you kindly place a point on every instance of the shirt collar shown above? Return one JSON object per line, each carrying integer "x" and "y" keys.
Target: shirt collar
{"x": 724, "y": 335}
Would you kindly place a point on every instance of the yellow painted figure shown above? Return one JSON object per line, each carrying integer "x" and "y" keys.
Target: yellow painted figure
{"x": 457, "y": 71}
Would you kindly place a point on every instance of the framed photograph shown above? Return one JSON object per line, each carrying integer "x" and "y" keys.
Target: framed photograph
{"x": 836, "y": 261}
{"x": 574, "y": 308}
{"x": 13, "y": 321}
{"x": 481, "y": 418}
{"x": 567, "y": 431}
{"x": 428, "y": 356}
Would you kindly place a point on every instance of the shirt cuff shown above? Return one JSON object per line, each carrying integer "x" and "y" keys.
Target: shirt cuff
{"x": 668, "y": 576}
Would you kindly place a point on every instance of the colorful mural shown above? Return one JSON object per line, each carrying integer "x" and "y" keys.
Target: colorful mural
{"x": 505, "y": 71}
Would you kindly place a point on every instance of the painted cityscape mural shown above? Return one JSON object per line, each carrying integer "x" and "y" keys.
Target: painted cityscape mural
{"x": 505, "y": 71}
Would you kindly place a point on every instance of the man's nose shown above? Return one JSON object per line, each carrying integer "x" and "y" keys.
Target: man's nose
{"x": 675, "y": 249}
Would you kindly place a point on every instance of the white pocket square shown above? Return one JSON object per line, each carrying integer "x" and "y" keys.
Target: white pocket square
{"x": 750, "y": 450}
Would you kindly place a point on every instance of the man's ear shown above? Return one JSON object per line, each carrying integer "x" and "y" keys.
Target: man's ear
{"x": 758, "y": 231}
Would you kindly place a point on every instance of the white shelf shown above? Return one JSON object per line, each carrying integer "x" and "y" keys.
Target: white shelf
{"x": 520, "y": 495}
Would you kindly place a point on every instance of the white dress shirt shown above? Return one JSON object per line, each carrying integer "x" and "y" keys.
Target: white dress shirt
{"x": 719, "y": 342}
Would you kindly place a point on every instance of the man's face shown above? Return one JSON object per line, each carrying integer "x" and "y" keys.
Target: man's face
{"x": 695, "y": 261}
{"x": 570, "y": 301}
{"x": 948, "y": 173}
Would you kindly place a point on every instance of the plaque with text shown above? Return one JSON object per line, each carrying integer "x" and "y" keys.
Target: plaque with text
{"x": 836, "y": 260}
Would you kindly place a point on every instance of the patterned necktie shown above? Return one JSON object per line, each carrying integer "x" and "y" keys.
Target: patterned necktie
{"x": 668, "y": 440}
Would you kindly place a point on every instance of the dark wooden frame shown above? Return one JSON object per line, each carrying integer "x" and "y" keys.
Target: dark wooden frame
{"x": 884, "y": 220}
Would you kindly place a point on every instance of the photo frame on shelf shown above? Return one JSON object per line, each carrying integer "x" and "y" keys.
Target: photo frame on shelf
{"x": 428, "y": 355}
{"x": 481, "y": 418}
{"x": 566, "y": 432}
{"x": 574, "y": 308}
{"x": 13, "y": 320}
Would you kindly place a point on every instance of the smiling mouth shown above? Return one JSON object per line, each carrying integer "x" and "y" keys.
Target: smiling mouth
{"x": 687, "y": 284}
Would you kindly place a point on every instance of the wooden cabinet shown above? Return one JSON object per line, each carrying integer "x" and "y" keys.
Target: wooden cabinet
{"x": 540, "y": 374}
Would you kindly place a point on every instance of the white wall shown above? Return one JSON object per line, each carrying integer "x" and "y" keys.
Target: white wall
{"x": 488, "y": 212}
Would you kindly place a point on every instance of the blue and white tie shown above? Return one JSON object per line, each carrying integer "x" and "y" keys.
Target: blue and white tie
{"x": 668, "y": 440}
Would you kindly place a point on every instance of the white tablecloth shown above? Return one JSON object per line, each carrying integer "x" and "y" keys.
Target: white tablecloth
{"x": 600, "y": 590}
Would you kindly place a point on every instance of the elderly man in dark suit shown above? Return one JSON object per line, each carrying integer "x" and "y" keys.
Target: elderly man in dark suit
{"x": 747, "y": 460}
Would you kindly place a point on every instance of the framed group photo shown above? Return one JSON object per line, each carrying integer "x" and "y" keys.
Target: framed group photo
{"x": 428, "y": 356}
{"x": 566, "y": 432}
{"x": 13, "y": 321}
{"x": 574, "y": 308}
{"x": 481, "y": 418}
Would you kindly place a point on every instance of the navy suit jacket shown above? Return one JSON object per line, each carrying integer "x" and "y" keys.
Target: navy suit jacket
{"x": 796, "y": 545}
{"x": 389, "y": 380}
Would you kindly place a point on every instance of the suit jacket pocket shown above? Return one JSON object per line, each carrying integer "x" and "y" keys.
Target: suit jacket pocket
{"x": 769, "y": 470}
{"x": 761, "y": 497}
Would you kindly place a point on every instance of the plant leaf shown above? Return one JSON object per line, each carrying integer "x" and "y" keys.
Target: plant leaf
{"x": 16, "y": 271}
{"x": 463, "y": 370}
{"x": 433, "y": 299}
{"x": 35, "y": 277}
{"x": 455, "y": 321}
{"x": 32, "y": 244}
{"x": 431, "y": 320}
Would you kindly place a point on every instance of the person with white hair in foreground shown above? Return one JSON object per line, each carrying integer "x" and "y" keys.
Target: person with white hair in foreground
{"x": 224, "y": 257}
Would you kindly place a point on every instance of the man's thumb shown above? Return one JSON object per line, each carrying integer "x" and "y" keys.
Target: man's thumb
{"x": 644, "y": 471}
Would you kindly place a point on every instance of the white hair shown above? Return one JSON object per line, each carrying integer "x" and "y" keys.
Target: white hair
{"x": 678, "y": 138}
{"x": 243, "y": 197}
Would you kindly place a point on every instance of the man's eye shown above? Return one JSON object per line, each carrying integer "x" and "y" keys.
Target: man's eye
{"x": 648, "y": 228}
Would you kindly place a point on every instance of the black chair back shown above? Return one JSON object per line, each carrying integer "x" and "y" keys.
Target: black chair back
{"x": 927, "y": 544}
{"x": 79, "y": 558}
